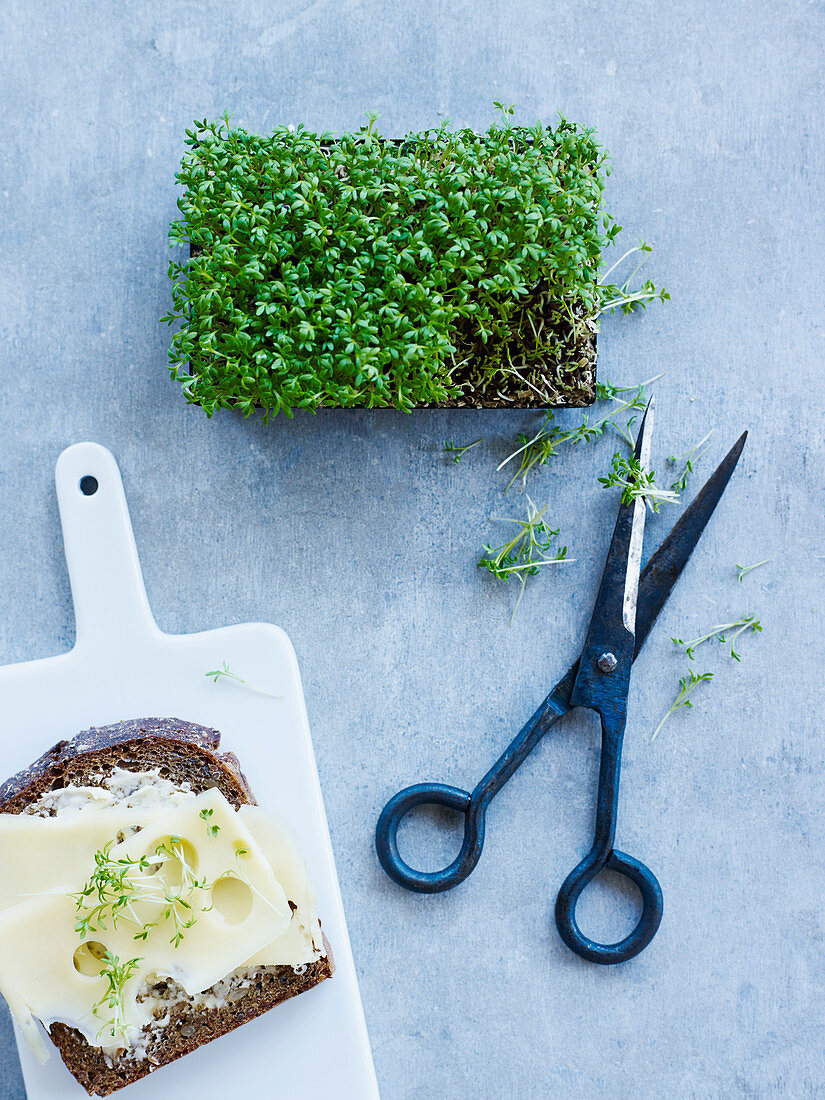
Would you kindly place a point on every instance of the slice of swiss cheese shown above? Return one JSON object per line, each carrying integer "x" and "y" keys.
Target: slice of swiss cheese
{"x": 303, "y": 941}
{"x": 41, "y": 855}
{"x": 249, "y": 909}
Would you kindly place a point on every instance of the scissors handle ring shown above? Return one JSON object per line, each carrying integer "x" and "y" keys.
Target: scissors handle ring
{"x": 430, "y": 794}
{"x": 571, "y": 891}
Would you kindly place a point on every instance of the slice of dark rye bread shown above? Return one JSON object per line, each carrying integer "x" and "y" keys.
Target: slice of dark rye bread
{"x": 183, "y": 753}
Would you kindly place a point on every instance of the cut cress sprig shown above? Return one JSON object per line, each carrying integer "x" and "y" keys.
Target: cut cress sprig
{"x": 749, "y": 622}
{"x": 743, "y": 570}
{"x": 226, "y": 672}
{"x": 687, "y": 685}
{"x": 635, "y": 482}
{"x": 689, "y": 458}
{"x": 205, "y": 815}
{"x": 526, "y": 552}
{"x": 116, "y": 975}
{"x": 240, "y": 851}
{"x": 456, "y": 452}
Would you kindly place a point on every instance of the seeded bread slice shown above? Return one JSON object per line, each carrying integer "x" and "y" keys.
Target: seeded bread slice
{"x": 183, "y": 753}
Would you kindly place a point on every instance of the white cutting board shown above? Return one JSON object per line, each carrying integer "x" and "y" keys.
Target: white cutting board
{"x": 315, "y": 1046}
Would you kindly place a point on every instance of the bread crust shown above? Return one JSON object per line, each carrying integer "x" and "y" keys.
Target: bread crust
{"x": 186, "y": 751}
{"x": 187, "y": 1029}
{"x": 183, "y": 752}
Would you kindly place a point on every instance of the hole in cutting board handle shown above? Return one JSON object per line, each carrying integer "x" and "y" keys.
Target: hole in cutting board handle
{"x": 88, "y": 485}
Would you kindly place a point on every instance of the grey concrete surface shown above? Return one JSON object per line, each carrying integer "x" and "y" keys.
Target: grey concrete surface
{"x": 353, "y": 532}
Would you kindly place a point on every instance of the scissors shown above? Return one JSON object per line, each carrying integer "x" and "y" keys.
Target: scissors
{"x": 627, "y": 606}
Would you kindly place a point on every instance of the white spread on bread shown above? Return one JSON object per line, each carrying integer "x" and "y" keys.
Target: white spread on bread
{"x": 138, "y": 790}
{"x": 245, "y": 921}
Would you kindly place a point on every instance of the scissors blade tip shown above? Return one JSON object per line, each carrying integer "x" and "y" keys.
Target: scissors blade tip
{"x": 644, "y": 438}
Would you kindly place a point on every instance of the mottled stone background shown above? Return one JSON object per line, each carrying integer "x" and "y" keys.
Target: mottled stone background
{"x": 352, "y": 531}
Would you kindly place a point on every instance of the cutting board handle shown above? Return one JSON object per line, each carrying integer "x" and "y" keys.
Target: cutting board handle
{"x": 110, "y": 601}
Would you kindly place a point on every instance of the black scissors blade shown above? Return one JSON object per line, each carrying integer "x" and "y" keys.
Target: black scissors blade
{"x": 665, "y": 566}
{"x": 610, "y": 641}
{"x": 662, "y": 571}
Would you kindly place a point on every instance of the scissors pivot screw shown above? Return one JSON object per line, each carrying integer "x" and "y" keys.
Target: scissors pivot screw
{"x": 607, "y": 662}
